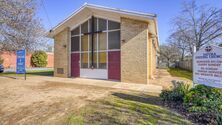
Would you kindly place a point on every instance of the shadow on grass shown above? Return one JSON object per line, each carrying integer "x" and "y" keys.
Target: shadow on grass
{"x": 29, "y": 73}
{"x": 126, "y": 109}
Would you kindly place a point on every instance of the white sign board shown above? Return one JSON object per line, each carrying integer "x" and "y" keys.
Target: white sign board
{"x": 207, "y": 67}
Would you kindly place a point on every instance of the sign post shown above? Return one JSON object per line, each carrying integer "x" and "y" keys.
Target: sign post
{"x": 207, "y": 66}
{"x": 20, "y": 62}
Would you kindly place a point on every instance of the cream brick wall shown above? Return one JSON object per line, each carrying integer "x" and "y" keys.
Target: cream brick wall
{"x": 61, "y": 53}
{"x": 134, "y": 51}
{"x": 152, "y": 44}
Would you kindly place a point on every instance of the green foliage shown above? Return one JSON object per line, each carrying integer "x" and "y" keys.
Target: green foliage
{"x": 1, "y": 60}
{"x": 177, "y": 93}
{"x": 219, "y": 119}
{"x": 204, "y": 99}
{"x": 39, "y": 59}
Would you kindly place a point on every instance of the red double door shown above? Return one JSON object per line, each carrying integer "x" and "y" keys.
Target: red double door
{"x": 113, "y": 65}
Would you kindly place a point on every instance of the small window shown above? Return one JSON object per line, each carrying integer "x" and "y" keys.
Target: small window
{"x": 102, "y": 41}
{"x": 84, "y": 43}
{"x": 114, "y": 25}
{"x": 84, "y": 60}
{"x": 75, "y": 31}
{"x": 102, "y": 24}
{"x": 114, "y": 40}
{"x": 84, "y": 27}
{"x": 102, "y": 60}
{"x": 75, "y": 43}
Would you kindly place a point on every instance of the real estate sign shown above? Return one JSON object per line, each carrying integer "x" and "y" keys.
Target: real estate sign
{"x": 207, "y": 66}
{"x": 20, "y": 61}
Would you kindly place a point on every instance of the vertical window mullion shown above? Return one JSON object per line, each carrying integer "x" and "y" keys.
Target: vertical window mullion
{"x": 88, "y": 46}
{"x": 97, "y": 42}
{"x": 80, "y": 60}
{"x": 107, "y": 43}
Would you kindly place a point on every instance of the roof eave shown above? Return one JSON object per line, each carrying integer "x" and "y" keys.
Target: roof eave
{"x": 120, "y": 11}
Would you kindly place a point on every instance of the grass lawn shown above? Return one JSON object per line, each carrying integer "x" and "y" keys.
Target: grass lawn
{"x": 125, "y": 109}
{"x": 180, "y": 73}
{"x": 30, "y": 73}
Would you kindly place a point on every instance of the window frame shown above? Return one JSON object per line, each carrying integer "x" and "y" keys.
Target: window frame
{"x": 96, "y": 51}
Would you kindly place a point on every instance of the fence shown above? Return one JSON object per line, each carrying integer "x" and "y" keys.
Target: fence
{"x": 187, "y": 65}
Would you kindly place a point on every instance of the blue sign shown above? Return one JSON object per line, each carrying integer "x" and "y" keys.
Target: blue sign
{"x": 20, "y": 62}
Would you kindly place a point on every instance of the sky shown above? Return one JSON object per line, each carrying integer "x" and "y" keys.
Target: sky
{"x": 166, "y": 10}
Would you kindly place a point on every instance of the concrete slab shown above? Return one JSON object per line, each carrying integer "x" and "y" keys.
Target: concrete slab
{"x": 104, "y": 83}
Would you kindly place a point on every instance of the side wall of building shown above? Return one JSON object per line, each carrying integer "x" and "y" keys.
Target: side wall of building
{"x": 61, "y": 54}
{"x": 134, "y": 51}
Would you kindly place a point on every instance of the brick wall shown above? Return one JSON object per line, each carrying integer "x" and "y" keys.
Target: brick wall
{"x": 61, "y": 52}
{"x": 10, "y": 60}
{"x": 134, "y": 51}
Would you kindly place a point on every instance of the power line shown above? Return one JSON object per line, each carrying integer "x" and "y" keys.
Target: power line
{"x": 47, "y": 16}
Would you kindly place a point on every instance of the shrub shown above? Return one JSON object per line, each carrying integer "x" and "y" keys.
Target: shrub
{"x": 1, "y": 60}
{"x": 177, "y": 93}
{"x": 39, "y": 59}
{"x": 203, "y": 99}
{"x": 219, "y": 119}
{"x": 206, "y": 103}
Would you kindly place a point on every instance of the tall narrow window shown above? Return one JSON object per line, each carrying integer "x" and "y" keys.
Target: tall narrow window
{"x": 102, "y": 41}
{"x": 84, "y": 60}
{"x": 84, "y": 43}
{"x": 102, "y": 25}
{"x": 84, "y": 27}
{"x": 75, "y": 43}
{"x": 102, "y": 60}
{"x": 114, "y": 40}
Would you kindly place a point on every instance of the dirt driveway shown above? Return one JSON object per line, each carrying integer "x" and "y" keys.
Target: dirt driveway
{"x": 37, "y": 101}
{"x": 47, "y": 100}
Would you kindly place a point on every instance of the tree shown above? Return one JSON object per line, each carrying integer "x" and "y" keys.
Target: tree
{"x": 199, "y": 25}
{"x": 169, "y": 53}
{"x": 179, "y": 41}
{"x": 19, "y": 26}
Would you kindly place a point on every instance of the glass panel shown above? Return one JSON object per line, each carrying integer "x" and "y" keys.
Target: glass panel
{"x": 95, "y": 24}
{"x": 75, "y": 43}
{"x": 84, "y": 60}
{"x": 94, "y": 42}
{"x": 102, "y": 24}
{"x": 84, "y": 27}
{"x": 84, "y": 43}
{"x": 114, "y": 40}
{"x": 102, "y": 41}
{"x": 114, "y": 25}
{"x": 75, "y": 31}
{"x": 102, "y": 60}
{"x": 94, "y": 59}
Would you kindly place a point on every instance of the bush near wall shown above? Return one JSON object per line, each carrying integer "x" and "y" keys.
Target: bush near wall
{"x": 202, "y": 104}
{"x": 1, "y": 60}
{"x": 39, "y": 59}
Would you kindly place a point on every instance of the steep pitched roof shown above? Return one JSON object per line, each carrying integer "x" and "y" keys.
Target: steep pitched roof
{"x": 90, "y": 9}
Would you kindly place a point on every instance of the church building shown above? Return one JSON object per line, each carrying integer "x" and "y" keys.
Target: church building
{"x": 100, "y": 42}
